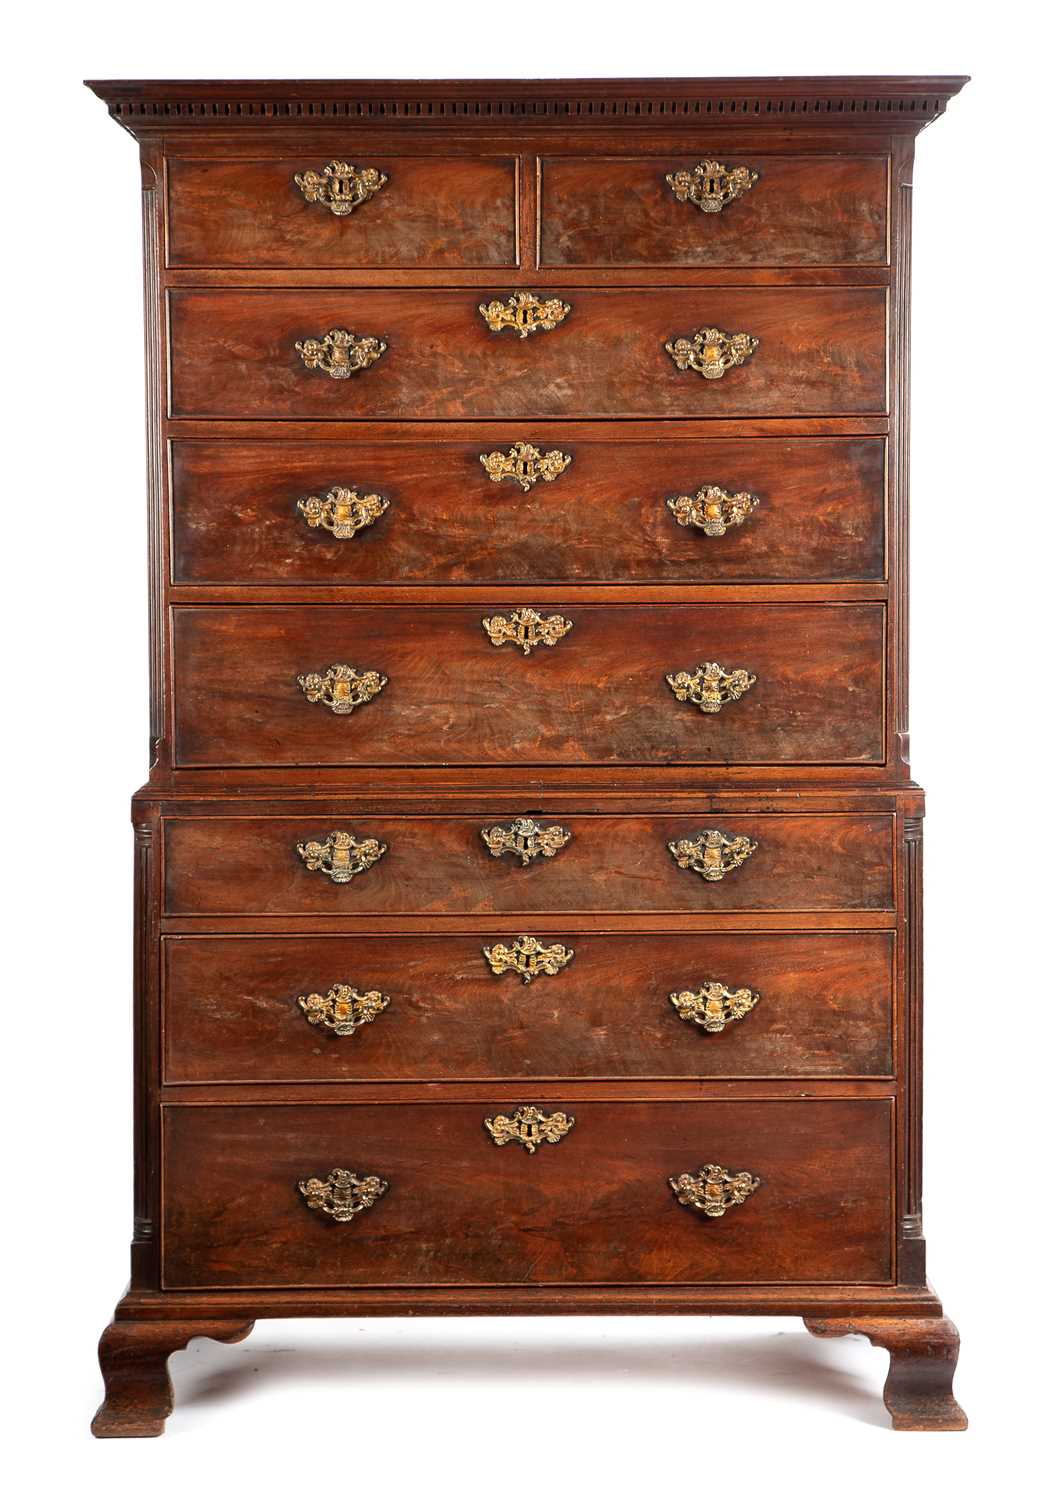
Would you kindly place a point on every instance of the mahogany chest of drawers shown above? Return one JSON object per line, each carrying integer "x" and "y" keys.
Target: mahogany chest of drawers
{"x": 528, "y": 877}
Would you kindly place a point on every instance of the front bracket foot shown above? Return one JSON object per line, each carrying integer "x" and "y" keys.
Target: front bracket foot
{"x": 923, "y": 1354}
{"x": 138, "y": 1394}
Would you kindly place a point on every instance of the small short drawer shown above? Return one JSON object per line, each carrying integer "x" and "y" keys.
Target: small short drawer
{"x": 609, "y": 690}
{"x": 428, "y": 212}
{"x": 332, "y": 1009}
{"x": 251, "y": 866}
{"x": 621, "y": 510}
{"x": 819, "y": 351}
{"x": 798, "y": 210}
{"x": 595, "y": 1206}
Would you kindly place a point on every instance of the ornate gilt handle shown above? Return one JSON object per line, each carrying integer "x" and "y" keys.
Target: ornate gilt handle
{"x": 527, "y": 957}
{"x": 340, "y": 353}
{"x": 530, "y": 1127}
{"x": 344, "y": 1009}
{"x": 713, "y": 1190}
{"x": 340, "y": 186}
{"x": 713, "y": 1006}
{"x": 712, "y": 854}
{"x": 525, "y": 313}
{"x": 342, "y": 688}
{"x": 341, "y": 856}
{"x": 526, "y": 839}
{"x": 710, "y": 185}
{"x": 527, "y": 629}
{"x": 343, "y": 512}
{"x": 713, "y": 510}
{"x": 711, "y": 352}
{"x": 342, "y": 1194}
{"x": 710, "y": 686}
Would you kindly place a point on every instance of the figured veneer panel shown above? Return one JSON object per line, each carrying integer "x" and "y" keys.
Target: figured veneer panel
{"x": 596, "y": 1207}
{"x": 434, "y": 212}
{"x": 804, "y": 862}
{"x": 822, "y": 350}
{"x": 231, "y": 1013}
{"x": 820, "y": 516}
{"x": 598, "y": 696}
{"x": 803, "y": 210}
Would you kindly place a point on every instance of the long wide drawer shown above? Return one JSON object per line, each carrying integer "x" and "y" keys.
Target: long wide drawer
{"x": 616, "y": 513}
{"x": 596, "y": 1206}
{"x": 435, "y": 1007}
{"x": 600, "y": 694}
{"x": 798, "y": 210}
{"x": 436, "y": 864}
{"x": 821, "y": 350}
{"x": 429, "y": 212}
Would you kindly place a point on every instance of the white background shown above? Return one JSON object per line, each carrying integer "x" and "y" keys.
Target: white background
{"x": 546, "y": 1409}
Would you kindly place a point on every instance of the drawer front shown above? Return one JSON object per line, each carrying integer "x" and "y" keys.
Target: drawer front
{"x": 232, "y": 1011}
{"x": 594, "y": 1207}
{"x": 439, "y": 865}
{"x": 822, "y": 350}
{"x": 599, "y": 695}
{"x": 819, "y": 515}
{"x": 800, "y": 211}
{"x": 432, "y": 212}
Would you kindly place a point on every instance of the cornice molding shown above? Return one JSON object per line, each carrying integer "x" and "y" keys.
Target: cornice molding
{"x": 907, "y": 103}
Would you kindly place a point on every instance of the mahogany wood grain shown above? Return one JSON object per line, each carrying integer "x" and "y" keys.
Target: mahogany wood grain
{"x": 599, "y": 695}
{"x": 596, "y": 1207}
{"x": 433, "y": 211}
{"x": 803, "y": 210}
{"x": 822, "y": 350}
{"x": 803, "y": 862}
{"x": 820, "y": 516}
{"x": 231, "y": 1010}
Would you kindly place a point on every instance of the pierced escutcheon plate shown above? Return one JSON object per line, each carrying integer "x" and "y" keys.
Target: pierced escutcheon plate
{"x": 710, "y": 686}
{"x": 527, "y": 629}
{"x": 524, "y": 313}
{"x": 530, "y": 1127}
{"x": 340, "y": 186}
{"x": 525, "y": 465}
{"x": 527, "y": 957}
{"x": 342, "y": 1194}
{"x": 710, "y": 185}
{"x": 711, "y": 352}
{"x": 712, "y": 854}
{"x": 344, "y": 1009}
{"x": 341, "y": 856}
{"x": 526, "y": 839}
{"x": 713, "y": 510}
{"x": 713, "y": 1190}
{"x": 713, "y": 1006}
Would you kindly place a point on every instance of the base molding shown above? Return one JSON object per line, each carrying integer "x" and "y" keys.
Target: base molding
{"x": 150, "y": 1326}
{"x": 535, "y": 1301}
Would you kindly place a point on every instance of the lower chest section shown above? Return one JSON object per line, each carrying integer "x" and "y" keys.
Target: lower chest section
{"x": 495, "y": 1190}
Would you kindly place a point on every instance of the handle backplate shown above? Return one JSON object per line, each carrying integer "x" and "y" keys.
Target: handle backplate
{"x": 341, "y": 856}
{"x": 711, "y": 352}
{"x": 712, "y": 854}
{"x": 342, "y": 1194}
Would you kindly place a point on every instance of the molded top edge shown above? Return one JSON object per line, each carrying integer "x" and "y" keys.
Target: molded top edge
{"x": 904, "y": 102}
